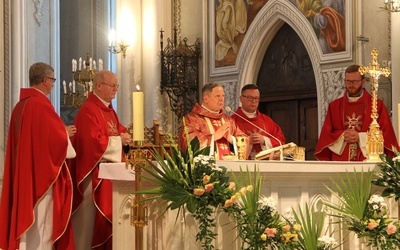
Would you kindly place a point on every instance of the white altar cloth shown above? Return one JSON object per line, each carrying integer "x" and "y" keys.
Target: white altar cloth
{"x": 290, "y": 183}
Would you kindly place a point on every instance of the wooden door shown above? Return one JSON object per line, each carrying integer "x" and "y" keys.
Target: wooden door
{"x": 298, "y": 121}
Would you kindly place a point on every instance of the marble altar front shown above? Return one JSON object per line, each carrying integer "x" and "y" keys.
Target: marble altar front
{"x": 290, "y": 183}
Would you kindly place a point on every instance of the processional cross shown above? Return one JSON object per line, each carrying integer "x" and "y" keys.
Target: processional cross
{"x": 375, "y": 141}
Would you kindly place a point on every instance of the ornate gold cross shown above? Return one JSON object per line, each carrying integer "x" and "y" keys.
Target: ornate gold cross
{"x": 375, "y": 140}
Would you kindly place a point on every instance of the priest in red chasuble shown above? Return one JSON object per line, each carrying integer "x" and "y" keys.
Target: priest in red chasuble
{"x": 343, "y": 135}
{"x": 255, "y": 124}
{"x": 36, "y": 201}
{"x": 99, "y": 138}
{"x": 210, "y": 124}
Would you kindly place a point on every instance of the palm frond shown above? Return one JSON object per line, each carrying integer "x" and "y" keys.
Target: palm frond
{"x": 352, "y": 191}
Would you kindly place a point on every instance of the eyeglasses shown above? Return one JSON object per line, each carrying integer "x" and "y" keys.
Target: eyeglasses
{"x": 251, "y": 98}
{"x": 51, "y": 78}
{"x": 348, "y": 82}
{"x": 114, "y": 86}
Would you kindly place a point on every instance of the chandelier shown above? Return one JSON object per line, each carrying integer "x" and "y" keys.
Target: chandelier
{"x": 83, "y": 72}
{"x": 392, "y": 5}
{"x": 180, "y": 73}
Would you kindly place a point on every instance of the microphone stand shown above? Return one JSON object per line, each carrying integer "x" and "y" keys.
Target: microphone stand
{"x": 228, "y": 109}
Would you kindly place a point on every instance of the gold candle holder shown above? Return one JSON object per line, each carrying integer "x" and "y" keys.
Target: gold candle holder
{"x": 136, "y": 159}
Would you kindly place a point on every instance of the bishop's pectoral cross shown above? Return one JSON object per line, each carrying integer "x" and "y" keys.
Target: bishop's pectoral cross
{"x": 375, "y": 141}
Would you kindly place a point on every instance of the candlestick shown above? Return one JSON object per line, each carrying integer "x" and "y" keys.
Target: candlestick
{"x": 100, "y": 64}
{"x": 138, "y": 116}
{"x": 73, "y": 86}
{"x": 80, "y": 63}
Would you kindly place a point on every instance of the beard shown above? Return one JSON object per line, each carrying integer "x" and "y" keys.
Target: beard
{"x": 353, "y": 91}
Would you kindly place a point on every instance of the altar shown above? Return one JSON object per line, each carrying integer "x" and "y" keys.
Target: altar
{"x": 290, "y": 183}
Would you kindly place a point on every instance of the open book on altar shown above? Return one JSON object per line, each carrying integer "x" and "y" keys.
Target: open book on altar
{"x": 290, "y": 151}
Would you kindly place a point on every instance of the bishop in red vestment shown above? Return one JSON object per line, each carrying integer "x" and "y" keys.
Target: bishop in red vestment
{"x": 99, "y": 138}
{"x": 348, "y": 118}
{"x": 34, "y": 167}
{"x": 210, "y": 124}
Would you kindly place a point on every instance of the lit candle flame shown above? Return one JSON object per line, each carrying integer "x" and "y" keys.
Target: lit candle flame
{"x": 137, "y": 87}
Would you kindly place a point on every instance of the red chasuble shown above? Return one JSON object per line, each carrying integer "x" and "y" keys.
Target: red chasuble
{"x": 95, "y": 123}
{"x": 263, "y": 121}
{"x": 202, "y": 123}
{"x": 343, "y": 114}
{"x": 35, "y": 162}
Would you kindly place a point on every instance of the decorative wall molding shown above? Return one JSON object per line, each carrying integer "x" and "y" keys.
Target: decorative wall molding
{"x": 39, "y": 11}
{"x": 232, "y": 91}
{"x": 331, "y": 88}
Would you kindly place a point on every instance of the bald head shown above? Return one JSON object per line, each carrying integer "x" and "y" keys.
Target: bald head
{"x": 105, "y": 85}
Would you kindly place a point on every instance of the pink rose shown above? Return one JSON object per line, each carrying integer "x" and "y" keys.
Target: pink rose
{"x": 206, "y": 179}
{"x": 270, "y": 232}
{"x": 209, "y": 187}
{"x": 372, "y": 224}
{"x": 198, "y": 191}
{"x": 391, "y": 229}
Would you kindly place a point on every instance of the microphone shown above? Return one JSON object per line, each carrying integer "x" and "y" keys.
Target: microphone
{"x": 228, "y": 109}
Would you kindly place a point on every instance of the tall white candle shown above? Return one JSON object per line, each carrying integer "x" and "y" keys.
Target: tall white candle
{"x": 100, "y": 64}
{"x": 90, "y": 63}
{"x": 70, "y": 87}
{"x": 65, "y": 87}
{"x": 72, "y": 64}
{"x": 80, "y": 63}
{"x": 94, "y": 64}
{"x": 138, "y": 116}
{"x": 73, "y": 86}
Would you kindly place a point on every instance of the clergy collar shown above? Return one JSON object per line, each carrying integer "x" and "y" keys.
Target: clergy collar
{"x": 215, "y": 112}
{"x": 250, "y": 115}
{"x": 107, "y": 104}
{"x": 355, "y": 98}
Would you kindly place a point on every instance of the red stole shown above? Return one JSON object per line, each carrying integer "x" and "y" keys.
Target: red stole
{"x": 222, "y": 145}
{"x": 353, "y": 117}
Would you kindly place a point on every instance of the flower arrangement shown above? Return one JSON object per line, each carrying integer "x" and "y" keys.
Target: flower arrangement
{"x": 389, "y": 176}
{"x": 364, "y": 214}
{"x": 190, "y": 181}
{"x": 258, "y": 223}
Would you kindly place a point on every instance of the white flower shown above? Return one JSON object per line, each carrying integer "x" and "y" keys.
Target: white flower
{"x": 267, "y": 202}
{"x": 289, "y": 215}
{"x": 327, "y": 241}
